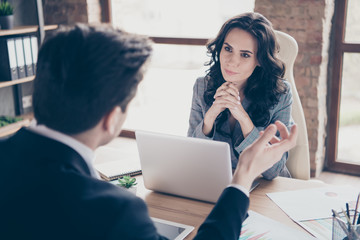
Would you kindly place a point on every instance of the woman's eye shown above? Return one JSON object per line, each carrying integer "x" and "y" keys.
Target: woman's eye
{"x": 245, "y": 55}
{"x": 227, "y": 49}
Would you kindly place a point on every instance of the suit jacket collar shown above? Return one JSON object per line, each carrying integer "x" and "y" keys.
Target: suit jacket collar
{"x": 46, "y": 148}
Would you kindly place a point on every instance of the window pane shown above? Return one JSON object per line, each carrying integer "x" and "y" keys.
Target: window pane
{"x": 352, "y": 31}
{"x": 186, "y": 18}
{"x": 163, "y": 101}
{"x": 349, "y": 130}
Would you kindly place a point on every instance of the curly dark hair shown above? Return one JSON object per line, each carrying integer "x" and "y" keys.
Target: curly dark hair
{"x": 265, "y": 85}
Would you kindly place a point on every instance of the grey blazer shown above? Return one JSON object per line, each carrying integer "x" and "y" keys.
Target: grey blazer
{"x": 237, "y": 142}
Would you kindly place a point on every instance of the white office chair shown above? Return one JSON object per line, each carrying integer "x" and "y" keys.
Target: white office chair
{"x": 298, "y": 162}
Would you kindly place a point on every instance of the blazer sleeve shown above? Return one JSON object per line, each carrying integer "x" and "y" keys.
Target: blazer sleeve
{"x": 196, "y": 120}
{"x": 281, "y": 112}
{"x": 134, "y": 223}
{"x": 226, "y": 218}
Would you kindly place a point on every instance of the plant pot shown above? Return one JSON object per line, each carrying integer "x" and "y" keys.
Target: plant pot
{"x": 7, "y": 22}
{"x": 132, "y": 190}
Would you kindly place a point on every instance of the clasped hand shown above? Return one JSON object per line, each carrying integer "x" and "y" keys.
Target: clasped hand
{"x": 227, "y": 97}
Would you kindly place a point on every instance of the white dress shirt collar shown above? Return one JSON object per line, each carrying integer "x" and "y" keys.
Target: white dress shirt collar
{"x": 85, "y": 152}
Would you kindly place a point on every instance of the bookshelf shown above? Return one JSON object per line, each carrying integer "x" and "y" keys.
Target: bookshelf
{"x": 15, "y": 82}
{"x": 20, "y": 31}
{"x": 25, "y": 29}
{"x": 37, "y": 30}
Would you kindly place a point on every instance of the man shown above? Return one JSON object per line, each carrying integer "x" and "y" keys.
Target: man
{"x": 86, "y": 77}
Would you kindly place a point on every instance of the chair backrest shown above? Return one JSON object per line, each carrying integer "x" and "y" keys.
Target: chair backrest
{"x": 298, "y": 162}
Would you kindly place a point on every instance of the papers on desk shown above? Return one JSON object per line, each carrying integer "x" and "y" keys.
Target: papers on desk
{"x": 316, "y": 203}
{"x": 257, "y": 226}
{"x": 311, "y": 208}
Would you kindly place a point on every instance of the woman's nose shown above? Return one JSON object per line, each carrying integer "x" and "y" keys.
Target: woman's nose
{"x": 233, "y": 60}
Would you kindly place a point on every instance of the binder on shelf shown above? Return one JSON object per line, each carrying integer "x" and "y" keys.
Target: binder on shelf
{"x": 8, "y": 65}
{"x": 17, "y": 91}
{"x": 34, "y": 51}
{"x": 27, "y": 90}
{"x": 20, "y": 57}
{"x": 23, "y": 98}
{"x": 28, "y": 56}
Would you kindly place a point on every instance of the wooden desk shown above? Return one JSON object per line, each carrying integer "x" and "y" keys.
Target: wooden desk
{"x": 192, "y": 212}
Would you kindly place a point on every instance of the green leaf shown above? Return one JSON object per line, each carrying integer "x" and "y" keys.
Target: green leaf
{"x": 127, "y": 182}
{"x": 6, "y": 9}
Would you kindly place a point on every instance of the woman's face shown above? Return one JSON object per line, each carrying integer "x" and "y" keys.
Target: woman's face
{"x": 238, "y": 56}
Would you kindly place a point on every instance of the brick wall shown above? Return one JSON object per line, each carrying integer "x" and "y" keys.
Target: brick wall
{"x": 71, "y": 11}
{"x": 309, "y": 22}
{"x": 68, "y": 12}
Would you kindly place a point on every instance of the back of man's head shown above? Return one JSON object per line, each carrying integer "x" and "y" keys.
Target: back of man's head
{"x": 83, "y": 72}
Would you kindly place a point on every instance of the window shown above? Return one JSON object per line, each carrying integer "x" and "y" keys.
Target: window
{"x": 163, "y": 100}
{"x": 344, "y": 120}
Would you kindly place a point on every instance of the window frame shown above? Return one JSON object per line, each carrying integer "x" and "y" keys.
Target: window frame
{"x": 340, "y": 48}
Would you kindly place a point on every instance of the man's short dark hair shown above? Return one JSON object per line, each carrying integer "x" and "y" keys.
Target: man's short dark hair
{"x": 83, "y": 72}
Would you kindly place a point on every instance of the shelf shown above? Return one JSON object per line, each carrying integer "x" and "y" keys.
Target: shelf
{"x": 25, "y": 29}
{"x": 18, "y": 81}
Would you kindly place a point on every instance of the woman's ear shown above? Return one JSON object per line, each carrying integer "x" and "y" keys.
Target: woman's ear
{"x": 111, "y": 120}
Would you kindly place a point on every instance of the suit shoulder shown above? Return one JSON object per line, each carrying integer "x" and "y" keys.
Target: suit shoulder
{"x": 201, "y": 81}
{"x": 200, "y": 84}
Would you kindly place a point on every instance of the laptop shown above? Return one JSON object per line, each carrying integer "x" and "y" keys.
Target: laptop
{"x": 184, "y": 166}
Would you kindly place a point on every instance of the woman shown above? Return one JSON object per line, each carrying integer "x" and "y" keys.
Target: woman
{"x": 244, "y": 90}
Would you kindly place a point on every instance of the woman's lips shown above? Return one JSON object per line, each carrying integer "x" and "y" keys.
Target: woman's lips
{"x": 230, "y": 73}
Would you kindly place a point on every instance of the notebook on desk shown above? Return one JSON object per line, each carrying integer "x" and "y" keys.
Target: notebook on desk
{"x": 189, "y": 167}
{"x": 117, "y": 169}
{"x": 117, "y": 160}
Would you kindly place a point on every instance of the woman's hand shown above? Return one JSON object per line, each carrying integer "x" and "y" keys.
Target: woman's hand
{"x": 226, "y": 96}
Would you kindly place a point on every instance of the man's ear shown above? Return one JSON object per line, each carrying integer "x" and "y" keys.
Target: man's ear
{"x": 111, "y": 120}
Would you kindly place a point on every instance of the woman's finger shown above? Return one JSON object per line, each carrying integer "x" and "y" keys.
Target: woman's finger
{"x": 225, "y": 92}
{"x": 227, "y": 88}
{"x": 232, "y": 86}
{"x": 233, "y": 91}
{"x": 229, "y": 98}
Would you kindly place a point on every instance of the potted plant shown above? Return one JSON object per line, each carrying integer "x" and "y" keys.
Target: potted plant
{"x": 6, "y": 120}
{"x": 6, "y": 15}
{"x": 128, "y": 183}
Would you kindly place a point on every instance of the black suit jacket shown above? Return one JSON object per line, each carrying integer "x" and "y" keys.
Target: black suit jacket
{"x": 47, "y": 193}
